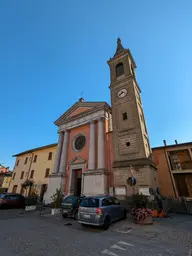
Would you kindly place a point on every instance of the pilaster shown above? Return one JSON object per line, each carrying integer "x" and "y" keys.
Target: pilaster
{"x": 63, "y": 161}
{"x": 58, "y": 153}
{"x": 101, "y": 144}
{"x": 91, "y": 163}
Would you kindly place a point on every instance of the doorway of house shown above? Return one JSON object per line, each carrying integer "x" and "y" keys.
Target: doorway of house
{"x": 42, "y": 192}
{"x": 184, "y": 184}
{"x": 78, "y": 179}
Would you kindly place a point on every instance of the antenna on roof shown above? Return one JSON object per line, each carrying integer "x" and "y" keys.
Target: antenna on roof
{"x": 81, "y": 99}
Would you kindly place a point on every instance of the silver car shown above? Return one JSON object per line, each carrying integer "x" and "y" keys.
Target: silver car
{"x": 100, "y": 211}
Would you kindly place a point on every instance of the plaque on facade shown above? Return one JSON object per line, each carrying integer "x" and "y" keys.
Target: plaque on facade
{"x": 111, "y": 193}
{"x": 120, "y": 191}
{"x": 144, "y": 191}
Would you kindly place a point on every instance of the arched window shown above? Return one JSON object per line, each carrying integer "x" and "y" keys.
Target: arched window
{"x": 119, "y": 69}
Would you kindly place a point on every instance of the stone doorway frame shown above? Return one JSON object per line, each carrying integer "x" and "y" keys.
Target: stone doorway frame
{"x": 74, "y": 167}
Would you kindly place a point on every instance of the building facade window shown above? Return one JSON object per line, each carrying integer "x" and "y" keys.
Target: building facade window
{"x": 125, "y": 116}
{"x": 35, "y": 159}
{"x": 47, "y": 171}
{"x": 32, "y": 174}
{"x": 22, "y": 175}
{"x": 22, "y": 190}
{"x": 26, "y": 159}
{"x": 50, "y": 156}
{"x": 17, "y": 162}
{"x": 14, "y": 175}
{"x": 79, "y": 142}
{"x": 119, "y": 69}
{"x": 14, "y": 189}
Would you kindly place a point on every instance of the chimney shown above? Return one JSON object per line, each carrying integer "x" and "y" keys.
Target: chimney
{"x": 165, "y": 143}
{"x": 81, "y": 100}
{"x": 176, "y": 142}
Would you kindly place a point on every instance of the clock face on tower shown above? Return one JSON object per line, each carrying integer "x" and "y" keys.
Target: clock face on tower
{"x": 121, "y": 93}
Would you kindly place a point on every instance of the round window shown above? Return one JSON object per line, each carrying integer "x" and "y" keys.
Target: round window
{"x": 79, "y": 142}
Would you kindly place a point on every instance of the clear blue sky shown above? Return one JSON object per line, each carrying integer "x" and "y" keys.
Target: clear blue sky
{"x": 51, "y": 51}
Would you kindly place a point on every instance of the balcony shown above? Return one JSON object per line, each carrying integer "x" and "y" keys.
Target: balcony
{"x": 182, "y": 166}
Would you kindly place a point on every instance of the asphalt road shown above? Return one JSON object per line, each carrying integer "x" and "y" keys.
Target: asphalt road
{"x": 25, "y": 234}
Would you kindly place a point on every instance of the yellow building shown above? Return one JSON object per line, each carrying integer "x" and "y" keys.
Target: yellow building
{"x": 35, "y": 165}
{"x": 7, "y": 180}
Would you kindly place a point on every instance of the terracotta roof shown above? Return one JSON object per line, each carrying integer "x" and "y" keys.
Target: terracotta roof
{"x": 174, "y": 145}
{"x": 35, "y": 149}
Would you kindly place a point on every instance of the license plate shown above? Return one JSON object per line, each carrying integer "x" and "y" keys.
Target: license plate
{"x": 87, "y": 216}
{"x": 65, "y": 211}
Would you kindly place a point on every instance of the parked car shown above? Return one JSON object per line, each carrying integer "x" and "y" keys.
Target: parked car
{"x": 69, "y": 206}
{"x": 11, "y": 200}
{"x": 100, "y": 211}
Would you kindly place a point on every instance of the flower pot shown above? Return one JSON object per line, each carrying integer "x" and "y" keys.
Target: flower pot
{"x": 55, "y": 211}
{"x": 147, "y": 221}
{"x": 155, "y": 213}
{"x": 162, "y": 214}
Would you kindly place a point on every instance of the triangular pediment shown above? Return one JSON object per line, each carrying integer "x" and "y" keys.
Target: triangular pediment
{"x": 79, "y": 109}
{"x": 77, "y": 160}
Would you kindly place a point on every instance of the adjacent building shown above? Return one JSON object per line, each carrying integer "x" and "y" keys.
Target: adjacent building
{"x": 5, "y": 178}
{"x": 36, "y": 165}
{"x": 174, "y": 164}
{"x": 6, "y": 181}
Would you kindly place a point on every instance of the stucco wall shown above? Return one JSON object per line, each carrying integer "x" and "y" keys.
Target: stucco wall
{"x": 164, "y": 176}
{"x": 39, "y": 168}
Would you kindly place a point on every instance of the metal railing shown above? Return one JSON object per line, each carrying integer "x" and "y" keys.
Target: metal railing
{"x": 181, "y": 205}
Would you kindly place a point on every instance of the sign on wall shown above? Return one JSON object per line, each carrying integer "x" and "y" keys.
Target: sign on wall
{"x": 144, "y": 191}
{"x": 120, "y": 191}
{"x": 111, "y": 191}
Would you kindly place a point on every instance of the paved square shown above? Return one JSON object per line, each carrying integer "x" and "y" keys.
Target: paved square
{"x": 30, "y": 234}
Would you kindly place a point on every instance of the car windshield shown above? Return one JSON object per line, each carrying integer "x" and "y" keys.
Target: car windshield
{"x": 90, "y": 202}
{"x": 2, "y": 195}
{"x": 69, "y": 199}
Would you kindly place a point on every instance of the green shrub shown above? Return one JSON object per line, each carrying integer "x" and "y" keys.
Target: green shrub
{"x": 139, "y": 201}
{"x": 57, "y": 199}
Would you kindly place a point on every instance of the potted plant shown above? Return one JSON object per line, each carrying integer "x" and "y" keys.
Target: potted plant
{"x": 141, "y": 213}
{"x": 158, "y": 211}
{"x": 56, "y": 203}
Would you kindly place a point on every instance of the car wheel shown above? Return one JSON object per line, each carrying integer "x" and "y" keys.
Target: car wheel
{"x": 83, "y": 225}
{"x": 106, "y": 223}
{"x": 125, "y": 215}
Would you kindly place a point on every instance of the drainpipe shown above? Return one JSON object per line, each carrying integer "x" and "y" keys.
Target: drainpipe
{"x": 171, "y": 175}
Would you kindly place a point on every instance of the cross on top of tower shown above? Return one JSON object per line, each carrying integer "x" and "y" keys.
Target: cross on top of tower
{"x": 120, "y": 47}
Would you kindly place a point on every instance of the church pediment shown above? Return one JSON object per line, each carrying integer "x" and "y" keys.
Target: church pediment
{"x": 77, "y": 110}
{"x": 77, "y": 160}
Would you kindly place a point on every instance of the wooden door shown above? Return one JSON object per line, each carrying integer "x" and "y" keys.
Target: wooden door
{"x": 188, "y": 179}
{"x": 181, "y": 185}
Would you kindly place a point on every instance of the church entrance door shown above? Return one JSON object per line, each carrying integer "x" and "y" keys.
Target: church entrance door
{"x": 78, "y": 187}
{"x": 77, "y": 181}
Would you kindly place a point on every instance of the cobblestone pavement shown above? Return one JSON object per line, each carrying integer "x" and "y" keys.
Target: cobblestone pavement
{"x": 177, "y": 228}
{"x": 27, "y": 234}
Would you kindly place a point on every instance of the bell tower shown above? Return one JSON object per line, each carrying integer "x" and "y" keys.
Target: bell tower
{"x": 130, "y": 137}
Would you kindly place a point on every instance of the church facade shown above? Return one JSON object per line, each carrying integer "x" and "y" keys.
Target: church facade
{"x": 105, "y": 149}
